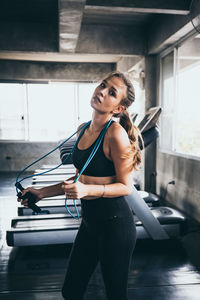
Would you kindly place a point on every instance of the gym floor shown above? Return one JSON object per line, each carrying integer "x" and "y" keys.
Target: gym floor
{"x": 159, "y": 270}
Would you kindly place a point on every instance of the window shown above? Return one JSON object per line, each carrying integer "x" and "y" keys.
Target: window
{"x": 48, "y": 112}
{"x": 51, "y": 111}
{"x": 85, "y": 93}
{"x": 180, "y": 99}
{"x": 12, "y": 111}
{"x": 43, "y": 112}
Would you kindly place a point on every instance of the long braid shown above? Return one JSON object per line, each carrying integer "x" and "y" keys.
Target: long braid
{"x": 133, "y": 134}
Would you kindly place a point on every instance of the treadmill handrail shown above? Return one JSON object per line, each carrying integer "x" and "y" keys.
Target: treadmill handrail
{"x": 144, "y": 214}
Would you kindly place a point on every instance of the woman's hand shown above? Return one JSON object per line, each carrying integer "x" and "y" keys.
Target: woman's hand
{"x": 73, "y": 190}
{"x": 33, "y": 191}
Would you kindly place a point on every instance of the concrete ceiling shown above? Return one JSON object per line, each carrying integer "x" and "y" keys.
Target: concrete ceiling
{"x": 88, "y": 30}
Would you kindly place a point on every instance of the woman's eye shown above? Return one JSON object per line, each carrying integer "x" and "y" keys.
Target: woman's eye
{"x": 102, "y": 85}
{"x": 112, "y": 93}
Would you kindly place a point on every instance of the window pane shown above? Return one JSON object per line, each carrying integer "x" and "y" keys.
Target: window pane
{"x": 12, "y": 111}
{"x": 52, "y": 111}
{"x": 85, "y": 93}
{"x": 138, "y": 106}
{"x": 188, "y": 120}
{"x": 167, "y": 100}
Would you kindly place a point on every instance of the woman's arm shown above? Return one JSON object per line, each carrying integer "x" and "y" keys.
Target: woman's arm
{"x": 49, "y": 191}
{"x": 119, "y": 144}
{"x": 55, "y": 190}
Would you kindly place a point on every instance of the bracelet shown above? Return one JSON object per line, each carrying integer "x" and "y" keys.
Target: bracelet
{"x": 103, "y": 190}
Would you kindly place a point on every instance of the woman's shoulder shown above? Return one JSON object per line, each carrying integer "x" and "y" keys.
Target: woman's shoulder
{"x": 79, "y": 128}
{"x": 117, "y": 132}
{"x": 116, "y": 129}
{"x": 81, "y": 125}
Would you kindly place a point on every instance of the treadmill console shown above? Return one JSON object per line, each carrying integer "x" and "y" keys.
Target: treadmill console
{"x": 150, "y": 119}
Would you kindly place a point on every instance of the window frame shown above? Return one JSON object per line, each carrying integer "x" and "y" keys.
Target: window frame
{"x": 26, "y": 104}
{"x": 174, "y": 49}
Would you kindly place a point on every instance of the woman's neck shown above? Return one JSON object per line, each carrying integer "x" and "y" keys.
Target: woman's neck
{"x": 99, "y": 121}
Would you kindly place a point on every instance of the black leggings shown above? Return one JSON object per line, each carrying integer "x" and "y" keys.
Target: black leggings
{"x": 107, "y": 234}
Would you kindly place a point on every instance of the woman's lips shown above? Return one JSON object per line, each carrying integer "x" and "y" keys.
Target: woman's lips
{"x": 96, "y": 98}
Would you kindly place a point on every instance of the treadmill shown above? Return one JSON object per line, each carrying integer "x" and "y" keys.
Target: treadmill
{"x": 62, "y": 228}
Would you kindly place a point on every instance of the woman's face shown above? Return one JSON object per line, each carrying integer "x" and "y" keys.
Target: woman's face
{"x": 108, "y": 95}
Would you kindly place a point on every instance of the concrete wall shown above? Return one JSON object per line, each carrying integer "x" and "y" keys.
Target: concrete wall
{"x": 15, "y": 156}
{"x": 185, "y": 194}
{"x": 28, "y": 37}
{"x": 150, "y": 101}
{"x": 126, "y": 63}
{"x": 116, "y": 39}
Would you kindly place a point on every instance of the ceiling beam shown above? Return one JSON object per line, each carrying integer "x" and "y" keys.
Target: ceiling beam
{"x": 171, "y": 29}
{"x": 180, "y": 7}
{"x": 62, "y": 57}
{"x": 53, "y": 71}
{"x": 70, "y": 17}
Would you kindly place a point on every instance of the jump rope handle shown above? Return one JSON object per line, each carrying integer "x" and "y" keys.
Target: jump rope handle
{"x": 31, "y": 198}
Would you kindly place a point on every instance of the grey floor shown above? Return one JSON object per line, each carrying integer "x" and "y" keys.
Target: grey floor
{"x": 159, "y": 270}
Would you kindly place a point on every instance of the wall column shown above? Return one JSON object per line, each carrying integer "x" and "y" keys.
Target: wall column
{"x": 150, "y": 101}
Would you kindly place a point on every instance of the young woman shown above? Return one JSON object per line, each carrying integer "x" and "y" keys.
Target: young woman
{"x": 107, "y": 233}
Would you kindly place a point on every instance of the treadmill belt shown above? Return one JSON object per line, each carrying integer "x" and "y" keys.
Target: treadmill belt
{"x": 52, "y": 207}
{"x": 56, "y": 171}
{"x": 48, "y": 178}
{"x": 54, "y": 166}
{"x": 42, "y": 224}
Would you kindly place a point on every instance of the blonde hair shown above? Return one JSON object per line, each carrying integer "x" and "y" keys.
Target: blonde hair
{"x": 126, "y": 122}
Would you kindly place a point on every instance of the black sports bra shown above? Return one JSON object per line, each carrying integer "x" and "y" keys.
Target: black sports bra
{"x": 100, "y": 165}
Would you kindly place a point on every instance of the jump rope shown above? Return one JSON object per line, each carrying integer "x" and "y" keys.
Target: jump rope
{"x": 32, "y": 198}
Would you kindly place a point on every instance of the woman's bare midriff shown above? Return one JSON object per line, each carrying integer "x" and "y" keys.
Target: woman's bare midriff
{"x": 96, "y": 180}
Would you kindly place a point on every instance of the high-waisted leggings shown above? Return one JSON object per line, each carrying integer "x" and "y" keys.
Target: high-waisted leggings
{"x": 107, "y": 234}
